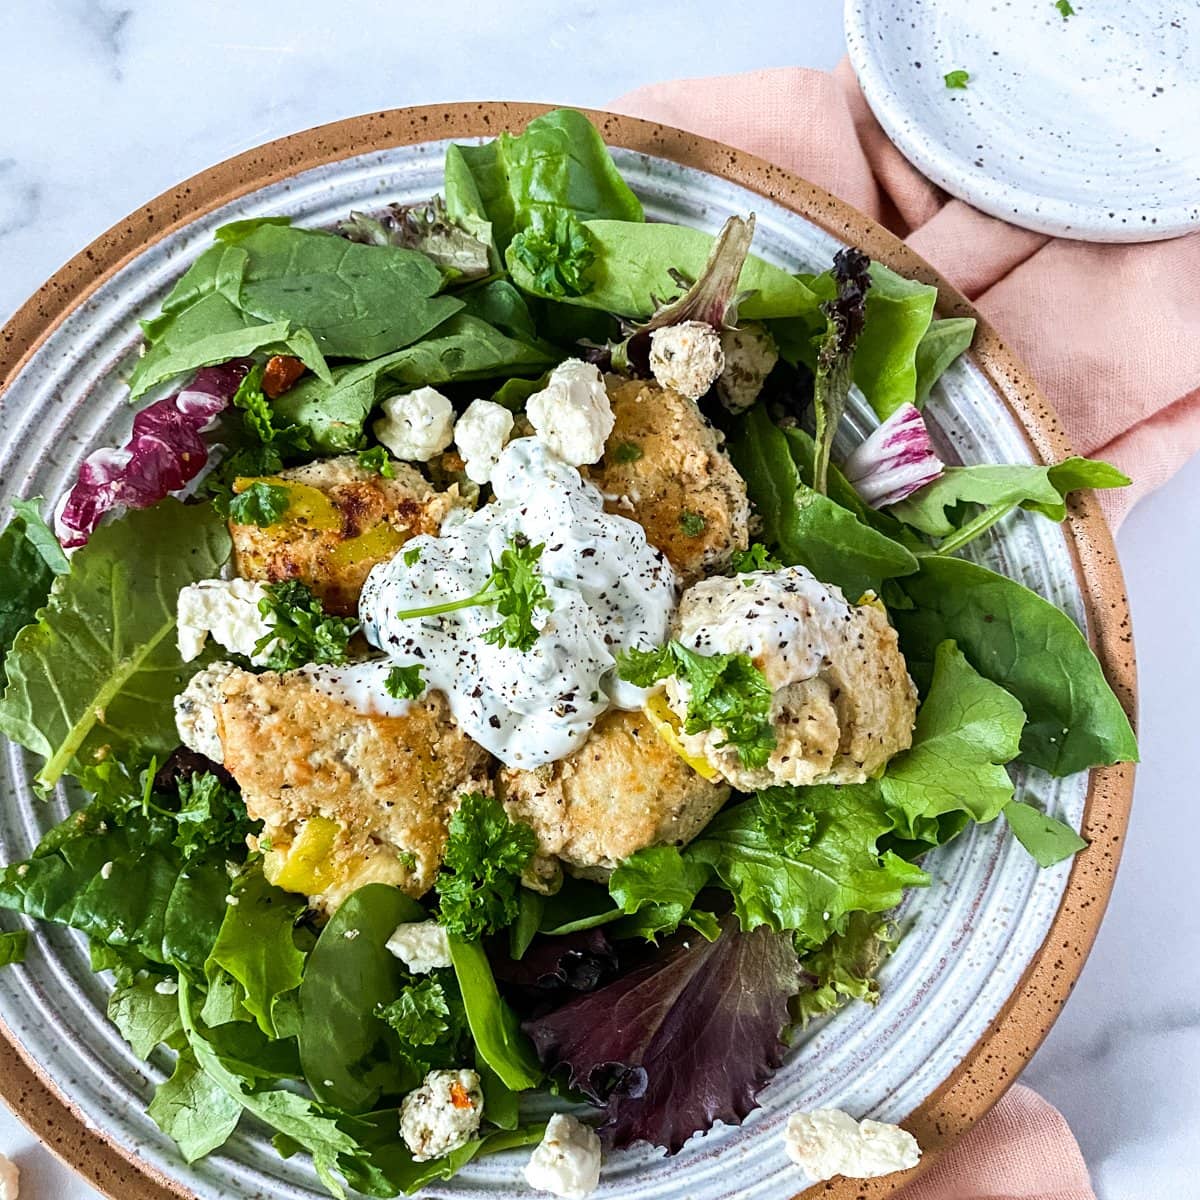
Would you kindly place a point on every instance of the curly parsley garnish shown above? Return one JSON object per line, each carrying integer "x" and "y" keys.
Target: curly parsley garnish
{"x": 756, "y": 558}
{"x": 420, "y": 1015}
{"x": 260, "y": 504}
{"x": 377, "y": 459}
{"x": 957, "y": 79}
{"x": 514, "y": 587}
{"x": 302, "y": 632}
{"x": 412, "y": 557}
{"x": 726, "y": 692}
{"x": 485, "y": 855}
{"x": 405, "y": 683}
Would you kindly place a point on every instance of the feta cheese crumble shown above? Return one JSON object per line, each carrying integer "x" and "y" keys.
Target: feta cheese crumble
{"x": 572, "y": 413}
{"x": 567, "y": 1161}
{"x": 196, "y": 710}
{"x": 830, "y": 1142}
{"x": 10, "y": 1179}
{"x": 226, "y": 609}
{"x": 442, "y": 1114}
{"x": 417, "y": 425}
{"x": 750, "y": 356}
{"x": 480, "y": 434}
{"x": 686, "y": 358}
{"x": 421, "y": 945}
{"x": 106, "y": 871}
{"x": 167, "y": 987}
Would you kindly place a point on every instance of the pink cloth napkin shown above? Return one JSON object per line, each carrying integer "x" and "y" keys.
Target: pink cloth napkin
{"x": 1110, "y": 333}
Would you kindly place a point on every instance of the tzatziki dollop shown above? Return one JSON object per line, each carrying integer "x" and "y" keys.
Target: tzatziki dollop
{"x": 608, "y": 588}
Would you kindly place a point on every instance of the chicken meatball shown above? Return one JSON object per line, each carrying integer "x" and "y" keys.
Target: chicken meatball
{"x": 342, "y": 519}
{"x": 347, "y": 797}
{"x": 842, "y": 702}
{"x": 624, "y": 789}
{"x": 664, "y": 467}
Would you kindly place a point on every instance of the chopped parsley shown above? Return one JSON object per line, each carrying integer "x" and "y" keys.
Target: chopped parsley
{"x": 420, "y": 1015}
{"x": 1064, "y": 7}
{"x": 377, "y": 459}
{"x": 258, "y": 416}
{"x": 726, "y": 692}
{"x": 210, "y": 815}
{"x": 302, "y": 632}
{"x": 514, "y": 587}
{"x": 405, "y": 683}
{"x": 692, "y": 523}
{"x": 756, "y": 558}
{"x": 957, "y": 79}
{"x": 260, "y": 504}
{"x": 627, "y": 452}
{"x": 412, "y": 557}
{"x": 485, "y": 855}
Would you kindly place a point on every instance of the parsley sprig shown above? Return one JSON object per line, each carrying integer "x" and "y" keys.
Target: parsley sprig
{"x": 516, "y": 589}
{"x": 405, "y": 683}
{"x": 302, "y": 631}
{"x": 725, "y": 691}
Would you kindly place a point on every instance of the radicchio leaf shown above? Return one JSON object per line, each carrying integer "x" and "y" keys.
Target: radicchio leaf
{"x": 164, "y": 453}
{"x": 895, "y": 461}
{"x": 554, "y": 969}
{"x": 845, "y": 317}
{"x": 689, "y": 1039}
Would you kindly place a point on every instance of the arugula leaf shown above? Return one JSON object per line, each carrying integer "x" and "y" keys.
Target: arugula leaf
{"x": 966, "y": 729}
{"x": 843, "y": 968}
{"x": 756, "y": 558}
{"x": 25, "y": 580}
{"x": 802, "y": 527}
{"x": 144, "y": 1016}
{"x": 261, "y": 504}
{"x": 1030, "y": 648}
{"x": 558, "y": 164}
{"x": 957, "y": 79}
{"x": 301, "y": 632}
{"x": 256, "y": 946}
{"x": 99, "y": 670}
{"x": 209, "y": 815}
{"x": 555, "y": 252}
{"x": 844, "y": 315}
{"x": 463, "y": 348}
{"x": 405, "y": 683}
{"x": 13, "y": 946}
{"x": 1048, "y": 839}
{"x": 498, "y": 1037}
{"x": 351, "y": 1054}
{"x": 192, "y": 1109}
{"x": 934, "y": 509}
{"x": 485, "y": 855}
{"x": 419, "y": 1016}
{"x": 377, "y": 459}
{"x": 516, "y": 589}
{"x": 725, "y": 692}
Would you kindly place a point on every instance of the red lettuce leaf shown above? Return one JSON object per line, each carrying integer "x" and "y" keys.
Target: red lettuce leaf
{"x": 688, "y": 1039}
{"x": 164, "y": 453}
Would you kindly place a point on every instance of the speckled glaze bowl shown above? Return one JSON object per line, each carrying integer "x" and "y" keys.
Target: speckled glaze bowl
{"x": 990, "y": 951}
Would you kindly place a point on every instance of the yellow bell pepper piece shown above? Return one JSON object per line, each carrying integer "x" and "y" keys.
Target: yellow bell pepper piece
{"x": 306, "y": 866}
{"x": 306, "y": 504}
{"x": 667, "y": 725}
{"x": 378, "y": 543}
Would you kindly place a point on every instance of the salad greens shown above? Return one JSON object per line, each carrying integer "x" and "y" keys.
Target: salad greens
{"x": 627, "y": 989}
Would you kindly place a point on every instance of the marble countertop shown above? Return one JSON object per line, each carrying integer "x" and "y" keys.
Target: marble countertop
{"x": 109, "y": 103}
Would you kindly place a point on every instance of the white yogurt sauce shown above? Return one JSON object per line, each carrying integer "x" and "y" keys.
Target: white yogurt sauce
{"x": 360, "y": 684}
{"x": 608, "y": 587}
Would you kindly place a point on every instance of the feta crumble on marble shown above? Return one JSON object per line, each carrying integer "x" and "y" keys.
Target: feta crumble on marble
{"x": 480, "y": 434}
{"x": 416, "y": 425}
{"x": 421, "y": 945}
{"x": 572, "y": 414}
{"x": 830, "y": 1142}
{"x": 226, "y": 610}
{"x": 442, "y": 1114}
{"x": 686, "y": 358}
{"x": 567, "y": 1160}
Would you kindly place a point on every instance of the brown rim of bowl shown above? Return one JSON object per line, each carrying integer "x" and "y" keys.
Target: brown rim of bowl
{"x": 998, "y": 1057}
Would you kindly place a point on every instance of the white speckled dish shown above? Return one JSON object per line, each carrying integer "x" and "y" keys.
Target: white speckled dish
{"x": 1085, "y": 126}
{"x": 990, "y": 950}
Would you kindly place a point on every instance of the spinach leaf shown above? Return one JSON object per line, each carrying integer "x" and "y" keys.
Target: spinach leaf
{"x": 558, "y": 164}
{"x": 13, "y": 946}
{"x": 192, "y": 1109}
{"x": 25, "y": 579}
{"x": 350, "y": 1055}
{"x": 195, "y": 910}
{"x": 966, "y": 729}
{"x": 804, "y": 527}
{"x": 357, "y": 301}
{"x": 843, "y": 968}
{"x": 498, "y": 1037}
{"x": 1048, "y": 839}
{"x": 99, "y": 670}
{"x": 634, "y": 269}
{"x": 465, "y": 348}
{"x": 1013, "y": 637}
{"x": 935, "y": 508}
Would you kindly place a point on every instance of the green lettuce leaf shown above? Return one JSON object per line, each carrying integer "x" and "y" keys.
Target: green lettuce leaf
{"x": 935, "y": 510}
{"x": 843, "y": 968}
{"x": 1048, "y": 839}
{"x": 144, "y": 1015}
{"x": 1032, "y": 649}
{"x": 192, "y": 1108}
{"x": 558, "y": 164}
{"x": 28, "y": 566}
{"x": 13, "y": 945}
{"x": 966, "y": 729}
{"x": 944, "y": 340}
{"x": 98, "y": 672}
